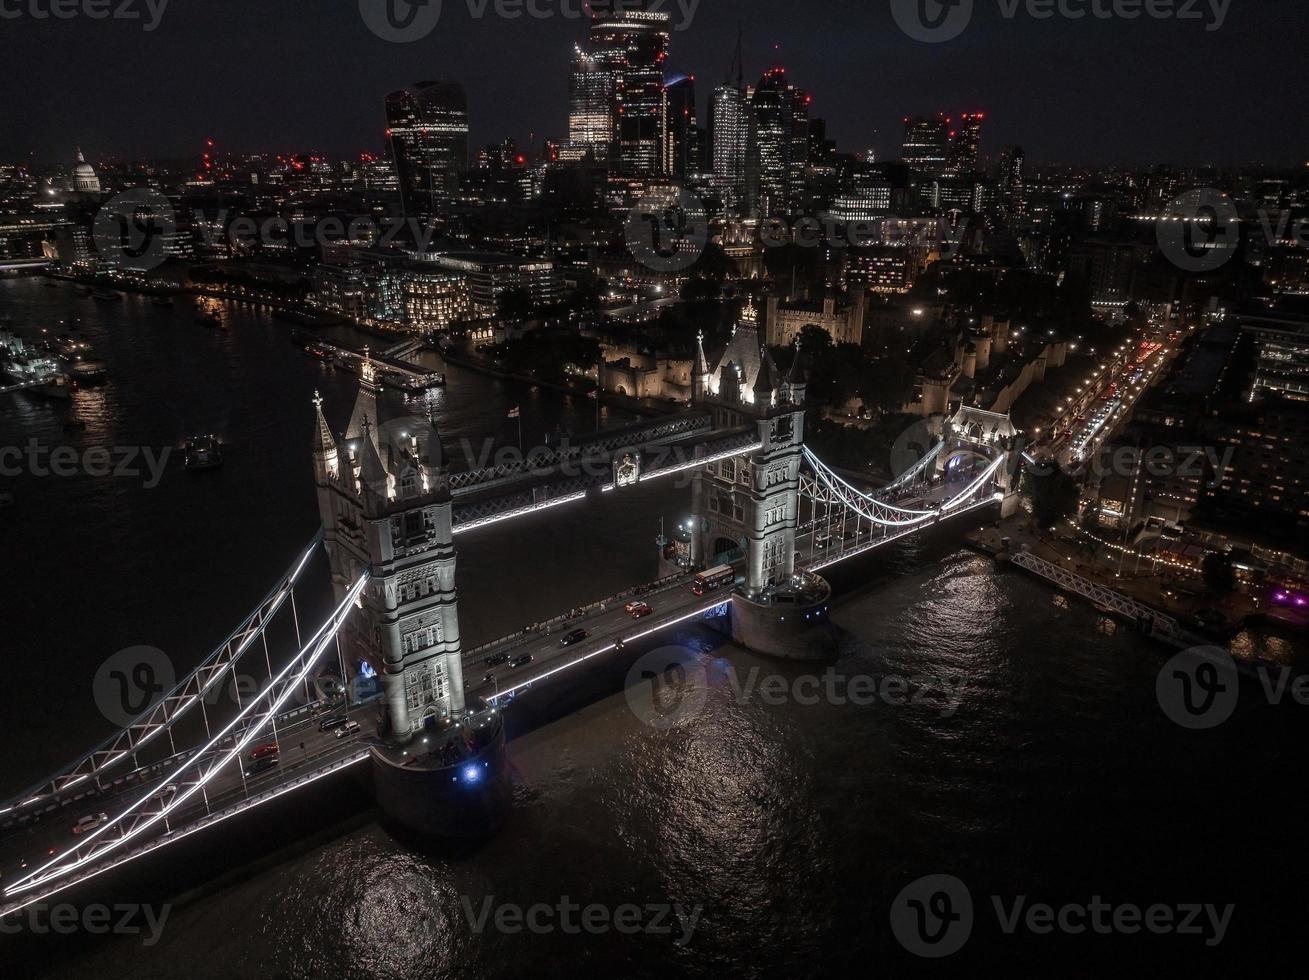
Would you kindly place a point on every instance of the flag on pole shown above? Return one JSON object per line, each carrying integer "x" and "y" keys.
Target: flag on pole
{"x": 515, "y": 412}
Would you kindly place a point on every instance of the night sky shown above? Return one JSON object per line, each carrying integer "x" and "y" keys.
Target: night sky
{"x": 310, "y": 75}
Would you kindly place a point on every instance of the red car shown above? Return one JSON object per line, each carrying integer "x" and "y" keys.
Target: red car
{"x": 638, "y": 610}
{"x": 264, "y": 751}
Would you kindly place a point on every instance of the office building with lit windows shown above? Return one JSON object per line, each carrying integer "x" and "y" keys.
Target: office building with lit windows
{"x": 782, "y": 117}
{"x": 966, "y": 144}
{"x": 631, "y": 46}
{"x": 427, "y": 125}
{"x": 734, "y": 150}
{"x": 926, "y": 144}
{"x": 590, "y": 108}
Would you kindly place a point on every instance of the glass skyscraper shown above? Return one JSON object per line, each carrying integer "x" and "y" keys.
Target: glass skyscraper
{"x": 735, "y": 148}
{"x": 782, "y": 116}
{"x": 590, "y": 107}
{"x": 927, "y": 143}
{"x": 427, "y": 125}
{"x": 632, "y": 46}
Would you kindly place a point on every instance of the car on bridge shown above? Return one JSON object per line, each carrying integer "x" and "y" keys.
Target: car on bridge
{"x": 576, "y": 636}
{"x": 264, "y": 751}
{"x": 495, "y": 660}
{"x": 348, "y": 729}
{"x": 522, "y": 661}
{"x": 639, "y": 610}
{"x": 331, "y": 722}
{"x": 90, "y": 822}
{"x": 262, "y": 766}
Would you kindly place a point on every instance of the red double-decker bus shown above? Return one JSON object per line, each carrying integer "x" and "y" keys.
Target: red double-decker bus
{"x": 714, "y": 578}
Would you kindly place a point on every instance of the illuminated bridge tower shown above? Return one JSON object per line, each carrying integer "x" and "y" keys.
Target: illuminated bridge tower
{"x": 384, "y": 499}
{"x": 747, "y": 508}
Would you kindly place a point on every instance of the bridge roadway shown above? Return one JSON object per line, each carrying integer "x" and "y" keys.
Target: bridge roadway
{"x": 308, "y": 754}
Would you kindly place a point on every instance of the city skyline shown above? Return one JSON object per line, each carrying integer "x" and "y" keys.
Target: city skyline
{"x": 1155, "y": 108}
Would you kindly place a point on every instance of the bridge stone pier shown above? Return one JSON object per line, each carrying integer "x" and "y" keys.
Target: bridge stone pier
{"x": 747, "y": 507}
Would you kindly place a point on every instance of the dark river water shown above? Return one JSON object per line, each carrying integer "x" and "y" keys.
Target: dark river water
{"x": 1029, "y": 759}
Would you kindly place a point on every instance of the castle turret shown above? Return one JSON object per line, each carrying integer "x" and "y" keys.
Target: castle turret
{"x": 796, "y": 380}
{"x": 766, "y": 381}
{"x": 700, "y": 373}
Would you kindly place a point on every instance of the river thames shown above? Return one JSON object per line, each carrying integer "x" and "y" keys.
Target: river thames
{"x": 1020, "y": 747}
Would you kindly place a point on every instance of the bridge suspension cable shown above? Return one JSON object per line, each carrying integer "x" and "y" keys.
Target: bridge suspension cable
{"x": 973, "y": 487}
{"x": 197, "y": 772}
{"x": 188, "y": 692}
{"x": 829, "y": 488}
{"x": 911, "y": 474}
{"x": 865, "y": 504}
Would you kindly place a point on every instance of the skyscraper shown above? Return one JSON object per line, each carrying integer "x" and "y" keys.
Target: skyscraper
{"x": 631, "y": 46}
{"x": 734, "y": 154}
{"x": 428, "y": 130}
{"x": 927, "y": 143}
{"x": 1010, "y": 190}
{"x": 682, "y": 131}
{"x": 966, "y": 143}
{"x": 782, "y": 113}
{"x": 590, "y": 107}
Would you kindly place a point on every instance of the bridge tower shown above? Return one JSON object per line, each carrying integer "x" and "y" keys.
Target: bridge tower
{"x": 985, "y": 436}
{"x": 748, "y": 507}
{"x": 385, "y": 503}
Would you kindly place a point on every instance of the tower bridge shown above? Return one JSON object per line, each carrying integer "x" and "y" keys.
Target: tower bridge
{"x": 391, "y": 508}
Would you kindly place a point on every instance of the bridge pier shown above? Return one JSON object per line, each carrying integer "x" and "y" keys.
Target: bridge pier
{"x": 452, "y": 783}
{"x": 788, "y": 623}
